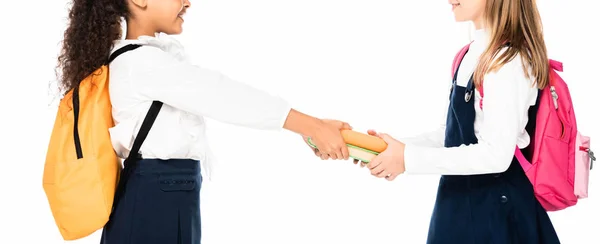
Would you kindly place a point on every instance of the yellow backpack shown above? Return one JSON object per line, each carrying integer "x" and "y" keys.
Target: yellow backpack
{"x": 82, "y": 169}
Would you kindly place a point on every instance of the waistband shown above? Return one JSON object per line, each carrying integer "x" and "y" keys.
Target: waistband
{"x": 514, "y": 173}
{"x": 152, "y": 166}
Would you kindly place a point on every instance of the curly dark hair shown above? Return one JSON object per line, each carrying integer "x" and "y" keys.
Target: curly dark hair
{"x": 93, "y": 26}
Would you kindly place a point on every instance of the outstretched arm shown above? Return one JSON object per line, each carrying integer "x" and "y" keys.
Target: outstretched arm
{"x": 209, "y": 93}
{"x": 507, "y": 100}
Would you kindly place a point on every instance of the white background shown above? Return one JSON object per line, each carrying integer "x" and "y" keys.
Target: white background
{"x": 378, "y": 64}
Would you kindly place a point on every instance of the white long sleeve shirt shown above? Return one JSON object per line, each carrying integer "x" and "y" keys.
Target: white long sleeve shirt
{"x": 499, "y": 127}
{"x": 160, "y": 71}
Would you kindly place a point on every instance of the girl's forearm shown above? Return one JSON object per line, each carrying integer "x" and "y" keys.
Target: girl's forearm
{"x": 302, "y": 124}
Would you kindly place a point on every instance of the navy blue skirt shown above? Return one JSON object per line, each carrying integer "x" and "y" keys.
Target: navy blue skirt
{"x": 490, "y": 209}
{"x": 158, "y": 203}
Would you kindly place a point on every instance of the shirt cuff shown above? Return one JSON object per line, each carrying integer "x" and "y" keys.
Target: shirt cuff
{"x": 286, "y": 111}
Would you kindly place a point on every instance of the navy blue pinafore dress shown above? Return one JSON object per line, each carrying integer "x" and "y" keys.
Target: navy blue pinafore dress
{"x": 488, "y": 208}
{"x": 157, "y": 201}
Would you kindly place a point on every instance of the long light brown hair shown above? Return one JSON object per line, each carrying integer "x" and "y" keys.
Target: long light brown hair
{"x": 517, "y": 23}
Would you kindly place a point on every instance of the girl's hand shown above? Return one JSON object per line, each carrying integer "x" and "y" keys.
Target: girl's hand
{"x": 389, "y": 163}
{"x": 329, "y": 141}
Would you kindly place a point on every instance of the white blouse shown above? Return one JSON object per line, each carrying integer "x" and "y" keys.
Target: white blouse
{"x": 160, "y": 71}
{"x": 499, "y": 127}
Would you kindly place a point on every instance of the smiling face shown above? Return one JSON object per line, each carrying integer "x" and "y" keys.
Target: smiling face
{"x": 165, "y": 15}
{"x": 468, "y": 10}
{"x": 168, "y": 15}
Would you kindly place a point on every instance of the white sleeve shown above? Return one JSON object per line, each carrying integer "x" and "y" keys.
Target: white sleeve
{"x": 208, "y": 93}
{"x": 434, "y": 138}
{"x": 505, "y": 105}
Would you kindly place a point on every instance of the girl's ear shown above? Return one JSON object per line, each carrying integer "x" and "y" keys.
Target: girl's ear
{"x": 140, "y": 3}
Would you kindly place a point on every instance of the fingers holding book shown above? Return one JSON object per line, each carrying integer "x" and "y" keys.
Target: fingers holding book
{"x": 379, "y": 152}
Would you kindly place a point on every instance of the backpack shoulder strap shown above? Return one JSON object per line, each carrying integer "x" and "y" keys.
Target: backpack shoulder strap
{"x": 146, "y": 125}
{"x": 124, "y": 49}
{"x": 144, "y": 130}
{"x": 75, "y": 98}
{"x": 150, "y": 115}
{"x": 458, "y": 59}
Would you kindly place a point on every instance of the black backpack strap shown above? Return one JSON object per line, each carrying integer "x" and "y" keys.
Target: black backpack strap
{"x": 124, "y": 49}
{"x": 150, "y": 115}
{"x": 76, "y": 108}
{"x": 143, "y": 133}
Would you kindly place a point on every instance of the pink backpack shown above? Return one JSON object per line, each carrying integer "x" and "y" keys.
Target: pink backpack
{"x": 561, "y": 158}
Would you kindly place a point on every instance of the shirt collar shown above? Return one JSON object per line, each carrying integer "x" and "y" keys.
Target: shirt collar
{"x": 163, "y": 41}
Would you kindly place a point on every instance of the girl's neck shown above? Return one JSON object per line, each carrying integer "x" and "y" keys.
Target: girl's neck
{"x": 135, "y": 29}
{"x": 480, "y": 35}
{"x": 478, "y": 23}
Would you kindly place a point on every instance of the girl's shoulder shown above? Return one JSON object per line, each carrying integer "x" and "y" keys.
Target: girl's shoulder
{"x": 513, "y": 67}
{"x": 512, "y": 76}
{"x": 160, "y": 47}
